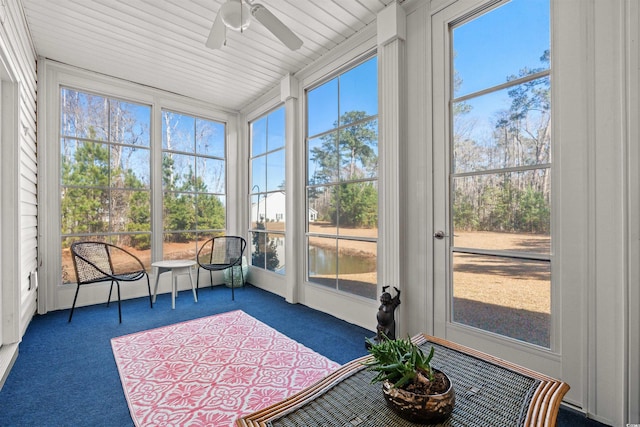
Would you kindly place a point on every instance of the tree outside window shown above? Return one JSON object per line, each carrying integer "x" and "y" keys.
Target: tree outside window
{"x": 342, "y": 181}
{"x": 501, "y": 172}
{"x": 104, "y": 174}
{"x": 193, "y": 183}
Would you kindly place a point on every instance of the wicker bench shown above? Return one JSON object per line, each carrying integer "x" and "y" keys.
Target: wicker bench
{"x": 489, "y": 392}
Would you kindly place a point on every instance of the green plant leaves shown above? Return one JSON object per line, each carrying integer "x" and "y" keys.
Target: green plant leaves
{"x": 398, "y": 361}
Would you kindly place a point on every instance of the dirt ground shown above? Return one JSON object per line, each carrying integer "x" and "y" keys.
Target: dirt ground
{"x": 496, "y": 294}
{"x": 511, "y": 298}
{"x": 497, "y": 281}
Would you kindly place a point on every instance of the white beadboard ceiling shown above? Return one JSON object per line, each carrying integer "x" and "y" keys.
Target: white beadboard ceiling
{"x": 161, "y": 43}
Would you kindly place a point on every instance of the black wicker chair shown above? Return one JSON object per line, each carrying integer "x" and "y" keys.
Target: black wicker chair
{"x": 93, "y": 262}
{"x": 220, "y": 253}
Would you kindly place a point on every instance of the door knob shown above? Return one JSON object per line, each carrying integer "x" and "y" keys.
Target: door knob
{"x": 440, "y": 235}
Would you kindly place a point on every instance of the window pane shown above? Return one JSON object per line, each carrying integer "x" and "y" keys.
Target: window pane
{"x": 267, "y": 251}
{"x": 259, "y": 174}
{"x": 342, "y": 151}
{"x": 515, "y": 205}
{"x": 130, "y": 123}
{"x": 84, "y": 163}
{"x": 357, "y": 267}
{"x": 258, "y": 249}
{"x": 178, "y": 171}
{"x": 275, "y": 171}
{"x": 142, "y": 241}
{"x": 258, "y": 211}
{"x": 211, "y": 175}
{"x": 178, "y": 132}
{"x": 179, "y": 211}
{"x": 322, "y": 108}
{"x": 179, "y": 246}
{"x": 84, "y": 210}
{"x": 194, "y": 202}
{"x": 513, "y": 27}
{"x": 275, "y": 252}
{"x": 105, "y": 186}
{"x": 130, "y": 211}
{"x": 268, "y": 198}
{"x": 507, "y": 128}
{"x": 259, "y": 136}
{"x": 201, "y": 239}
{"x": 505, "y": 296}
{"x": 500, "y": 189}
{"x": 323, "y": 261}
{"x": 323, "y": 159}
{"x": 358, "y": 209}
{"x": 130, "y": 167}
{"x": 83, "y": 115}
{"x": 359, "y": 151}
{"x": 211, "y": 212}
{"x": 274, "y": 209}
{"x": 322, "y": 210}
{"x": 68, "y": 272}
{"x": 276, "y": 129}
{"x": 210, "y": 138}
{"x": 359, "y": 90}
{"x": 138, "y": 245}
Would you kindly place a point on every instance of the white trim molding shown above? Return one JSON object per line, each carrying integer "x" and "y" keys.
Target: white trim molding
{"x": 633, "y": 220}
{"x": 392, "y": 121}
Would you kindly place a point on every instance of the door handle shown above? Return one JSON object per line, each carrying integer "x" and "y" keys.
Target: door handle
{"x": 440, "y": 235}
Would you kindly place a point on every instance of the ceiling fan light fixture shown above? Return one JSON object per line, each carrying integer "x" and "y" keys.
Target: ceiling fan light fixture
{"x": 235, "y": 14}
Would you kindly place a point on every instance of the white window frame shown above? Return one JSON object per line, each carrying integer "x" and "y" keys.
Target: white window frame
{"x": 352, "y": 308}
{"x": 53, "y": 295}
{"x": 337, "y": 236}
{"x": 264, "y": 192}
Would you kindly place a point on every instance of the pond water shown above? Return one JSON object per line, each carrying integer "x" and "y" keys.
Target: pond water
{"x": 325, "y": 261}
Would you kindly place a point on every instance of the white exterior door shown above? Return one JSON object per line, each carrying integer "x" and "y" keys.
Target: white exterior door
{"x": 493, "y": 285}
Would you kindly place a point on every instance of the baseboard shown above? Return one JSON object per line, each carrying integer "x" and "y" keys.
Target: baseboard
{"x": 577, "y": 411}
{"x": 8, "y": 356}
{"x": 572, "y": 408}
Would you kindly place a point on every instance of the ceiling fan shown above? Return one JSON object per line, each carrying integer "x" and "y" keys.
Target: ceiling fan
{"x": 236, "y": 15}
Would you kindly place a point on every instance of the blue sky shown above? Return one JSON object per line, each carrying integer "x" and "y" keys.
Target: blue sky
{"x": 355, "y": 90}
{"x": 500, "y": 43}
{"x": 492, "y": 47}
{"x": 487, "y": 49}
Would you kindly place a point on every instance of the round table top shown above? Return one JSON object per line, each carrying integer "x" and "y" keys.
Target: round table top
{"x": 174, "y": 263}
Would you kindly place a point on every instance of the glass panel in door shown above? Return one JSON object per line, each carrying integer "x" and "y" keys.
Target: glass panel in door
{"x": 492, "y": 177}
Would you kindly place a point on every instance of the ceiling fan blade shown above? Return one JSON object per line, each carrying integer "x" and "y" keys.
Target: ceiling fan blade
{"x": 218, "y": 34}
{"x": 276, "y": 27}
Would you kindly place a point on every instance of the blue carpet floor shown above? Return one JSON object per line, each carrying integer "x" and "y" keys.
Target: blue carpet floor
{"x": 65, "y": 374}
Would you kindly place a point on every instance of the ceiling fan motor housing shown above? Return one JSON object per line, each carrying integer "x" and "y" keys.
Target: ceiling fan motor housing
{"x": 236, "y": 15}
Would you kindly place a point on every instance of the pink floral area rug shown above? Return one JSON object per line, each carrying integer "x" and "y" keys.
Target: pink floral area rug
{"x": 211, "y": 371}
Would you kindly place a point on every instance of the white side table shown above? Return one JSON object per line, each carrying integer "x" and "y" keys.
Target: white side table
{"x": 177, "y": 267}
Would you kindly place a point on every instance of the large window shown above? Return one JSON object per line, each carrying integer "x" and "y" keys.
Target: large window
{"x": 500, "y": 184}
{"x": 104, "y": 174}
{"x": 342, "y": 186}
{"x": 193, "y": 182}
{"x": 267, "y": 214}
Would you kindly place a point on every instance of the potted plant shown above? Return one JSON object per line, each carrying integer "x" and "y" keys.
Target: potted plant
{"x": 412, "y": 388}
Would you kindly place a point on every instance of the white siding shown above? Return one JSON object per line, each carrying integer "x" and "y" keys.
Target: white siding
{"x": 19, "y": 177}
